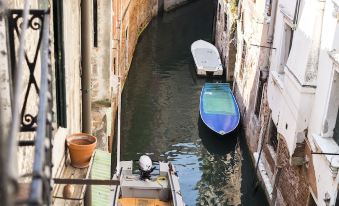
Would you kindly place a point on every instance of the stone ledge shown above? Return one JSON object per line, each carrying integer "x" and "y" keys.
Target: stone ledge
{"x": 264, "y": 176}
{"x": 278, "y": 79}
{"x": 328, "y": 145}
{"x": 334, "y": 55}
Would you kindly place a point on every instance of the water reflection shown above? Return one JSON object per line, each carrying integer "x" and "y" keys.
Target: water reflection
{"x": 221, "y": 165}
{"x": 160, "y": 113}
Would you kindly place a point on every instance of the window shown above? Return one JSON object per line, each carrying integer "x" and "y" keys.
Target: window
{"x": 95, "y": 23}
{"x": 273, "y": 135}
{"x": 59, "y": 53}
{"x": 225, "y": 21}
{"x": 219, "y": 11}
{"x": 286, "y": 46}
{"x": 337, "y": 200}
{"x": 114, "y": 66}
{"x": 268, "y": 7}
{"x": 311, "y": 201}
{"x": 126, "y": 48}
{"x": 126, "y": 34}
{"x": 336, "y": 129}
{"x": 331, "y": 124}
{"x": 243, "y": 59}
{"x": 259, "y": 93}
{"x": 242, "y": 22}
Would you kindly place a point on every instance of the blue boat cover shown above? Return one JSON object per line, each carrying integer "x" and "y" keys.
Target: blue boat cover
{"x": 218, "y": 108}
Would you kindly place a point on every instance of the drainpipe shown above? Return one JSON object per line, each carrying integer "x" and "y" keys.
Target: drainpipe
{"x": 272, "y": 23}
{"x": 86, "y": 65}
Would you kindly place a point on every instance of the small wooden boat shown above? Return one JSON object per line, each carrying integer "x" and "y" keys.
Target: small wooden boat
{"x": 162, "y": 189}
{"x": 218, "y": 108}
{"x": 206, "y": 58}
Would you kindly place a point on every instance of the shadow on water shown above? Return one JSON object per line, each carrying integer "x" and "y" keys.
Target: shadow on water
{"x": 214, "y": 143}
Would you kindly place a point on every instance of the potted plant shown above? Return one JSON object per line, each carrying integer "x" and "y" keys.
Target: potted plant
{"x": 81, "y": 147}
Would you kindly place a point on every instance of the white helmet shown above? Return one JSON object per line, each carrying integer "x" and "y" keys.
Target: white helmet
{"x": 145, "y": 163}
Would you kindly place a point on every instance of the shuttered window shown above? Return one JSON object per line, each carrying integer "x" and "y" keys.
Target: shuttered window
{"x": 336, "y": 130}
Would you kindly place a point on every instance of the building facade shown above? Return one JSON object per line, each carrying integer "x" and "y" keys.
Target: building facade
{"x": 303, "y": 98}
{"x": 285, "y": 81}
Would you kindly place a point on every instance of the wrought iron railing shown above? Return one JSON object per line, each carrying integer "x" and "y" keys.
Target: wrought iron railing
{"x": 19, "y": 21}
{"x": 35, "y": 23}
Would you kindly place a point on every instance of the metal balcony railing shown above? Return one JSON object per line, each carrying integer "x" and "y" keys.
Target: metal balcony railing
{"x": 19, "y": 22}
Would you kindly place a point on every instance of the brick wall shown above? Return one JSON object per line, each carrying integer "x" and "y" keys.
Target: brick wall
{"x": 292, "y": 183}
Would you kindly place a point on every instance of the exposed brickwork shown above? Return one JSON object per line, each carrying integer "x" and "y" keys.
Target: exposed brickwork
{"x": 269, "y": 158}
{"x": 310, "y": 170}
{"x": 292, "y": 182}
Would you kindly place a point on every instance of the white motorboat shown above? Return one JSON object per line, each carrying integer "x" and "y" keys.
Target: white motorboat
{"x": 160, "y": 189}
{"x": 206, "y": 58}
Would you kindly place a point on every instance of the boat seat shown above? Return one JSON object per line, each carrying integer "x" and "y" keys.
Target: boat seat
{"x": 155, "y": 189}
{"x": 141, "y": 202}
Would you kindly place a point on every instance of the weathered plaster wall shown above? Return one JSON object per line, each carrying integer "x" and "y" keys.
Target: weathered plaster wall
{"x": 5, "y": 101}
{"x": 101, "y": 55}
{"x": 225, "y": 41}
{"x": 250, "y": 59}
{"x": 102, "y": 72}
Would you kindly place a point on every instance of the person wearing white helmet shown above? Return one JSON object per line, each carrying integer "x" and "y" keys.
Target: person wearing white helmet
{"x": 145, "y": 167}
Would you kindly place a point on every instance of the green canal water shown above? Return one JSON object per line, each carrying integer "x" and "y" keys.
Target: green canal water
{"x": 160, "y": 113}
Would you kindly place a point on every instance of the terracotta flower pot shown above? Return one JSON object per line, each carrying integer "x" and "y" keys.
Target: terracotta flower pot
{"x": 81, "y": 147}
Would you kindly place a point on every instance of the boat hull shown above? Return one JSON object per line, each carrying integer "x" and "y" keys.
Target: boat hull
{"x": 206, "y": 58}
{"x": 218, "y": 108}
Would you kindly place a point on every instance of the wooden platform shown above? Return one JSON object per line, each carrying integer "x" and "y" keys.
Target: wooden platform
{"x": 141, "y": 202}
{"x": 77, "y": 198}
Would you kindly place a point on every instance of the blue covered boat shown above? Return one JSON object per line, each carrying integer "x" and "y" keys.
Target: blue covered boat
{"x": 218, "y": 108}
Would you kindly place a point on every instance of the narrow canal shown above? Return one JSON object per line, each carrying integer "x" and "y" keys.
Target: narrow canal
{"x": 160, "y": 113}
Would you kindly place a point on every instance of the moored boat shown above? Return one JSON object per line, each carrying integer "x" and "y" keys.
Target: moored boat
{"x": 162, "y": 189}
{"x": 206, "y": 58}
{"x": 218, "y": 108}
